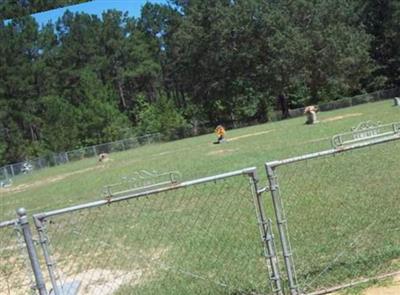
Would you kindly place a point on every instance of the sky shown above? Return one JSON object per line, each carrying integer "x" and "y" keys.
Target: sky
{"x": 95, "y": 7}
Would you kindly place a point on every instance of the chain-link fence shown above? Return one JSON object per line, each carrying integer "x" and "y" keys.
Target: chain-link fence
{"x": 16, "y": 271}
{"x": 345, "y": 102}
{"x": 9, "y": 171}
{"x": 193, "y": 237}
{"x": 337, "y": 212}
{"x": 193, "y": 129}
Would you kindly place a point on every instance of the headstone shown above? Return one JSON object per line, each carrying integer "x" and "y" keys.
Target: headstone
{"x": 397, "y": 101}
{"x": 311, "y": 114}
{"x": 103, "y": 157}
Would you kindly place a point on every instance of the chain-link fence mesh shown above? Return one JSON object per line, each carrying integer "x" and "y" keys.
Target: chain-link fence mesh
{"x": 9, "y": 171}
{"x": 342, "y": 215}
{"x": 348, "y": 101}
{"x": 199, "y": 239}
{"x": 16, "y": 276}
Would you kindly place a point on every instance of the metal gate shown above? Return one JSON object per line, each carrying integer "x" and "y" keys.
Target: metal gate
{"x": 337, "y": 211}
{"x": 191, "y": 237}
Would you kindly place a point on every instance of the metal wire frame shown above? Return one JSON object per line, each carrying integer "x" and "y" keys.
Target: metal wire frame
{"x": 142, "y": 180}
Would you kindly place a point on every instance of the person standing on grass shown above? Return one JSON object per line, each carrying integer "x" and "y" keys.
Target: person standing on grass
{"x": 220, "y": 132}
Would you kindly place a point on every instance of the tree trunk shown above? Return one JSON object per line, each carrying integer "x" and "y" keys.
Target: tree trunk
{"x": 284, "y": 105}
{"x": 233, "y": 119}
{"x": 121, "y": 94}
{"x": 33, "y": 136}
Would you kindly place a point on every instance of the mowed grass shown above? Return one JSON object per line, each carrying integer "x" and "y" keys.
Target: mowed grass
{"x": 342, "y": 216}
{"x": 193, "y": 157}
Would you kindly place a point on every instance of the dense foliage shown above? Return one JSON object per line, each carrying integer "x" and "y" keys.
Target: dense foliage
{"x": 87, "y": 79}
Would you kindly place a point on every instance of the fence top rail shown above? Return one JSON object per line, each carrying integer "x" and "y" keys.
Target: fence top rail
{"x": 337, "y": 150}
{"x": 251, "y": 171}
{"x": 8, "y": 223}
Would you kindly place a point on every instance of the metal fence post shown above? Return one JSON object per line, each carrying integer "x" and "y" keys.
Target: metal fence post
{"x": 5, "y": 172}
{"x": 94, "y": 151}
{"x": 55, "y": 159}
{"x": 49, "y": 263}
{"x": 26, "y": 231}
{"x": 282, "y": 229}
{"x": 266, "y": 235}
{"x": 12, "y": 170}
{"x": 123, "y": 145}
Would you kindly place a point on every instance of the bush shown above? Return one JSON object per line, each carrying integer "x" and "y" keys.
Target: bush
{"x": 162, "y": 117}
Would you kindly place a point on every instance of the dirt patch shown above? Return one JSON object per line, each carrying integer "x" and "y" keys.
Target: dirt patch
{"x": 151, "y": 157}
{"x": 172, "y": 152}
{"x": 45, "y": 181}
{"x": 103, "y": 281}
{"x": 221, "y": 152}
{"x": 14, "y": 276}
{"x": 249, "y": 135}
{"x": 336, "y": 118}
{"x": 314, "y": 140}
{"x": 393, "y": 289}
{"x": 106, "y": 281}
{"x": 317, "y": 140}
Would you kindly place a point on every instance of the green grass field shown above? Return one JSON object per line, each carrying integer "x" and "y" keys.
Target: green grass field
{"x": 342, "y": 211}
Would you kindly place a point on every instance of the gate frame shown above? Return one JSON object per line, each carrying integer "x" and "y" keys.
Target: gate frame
{"x": 281, "y": 219}
{"x": 23, "y": 224}
{"x": 263, "y": 223}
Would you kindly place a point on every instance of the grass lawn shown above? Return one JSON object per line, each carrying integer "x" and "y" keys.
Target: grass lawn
{"x": 343, "y": 211}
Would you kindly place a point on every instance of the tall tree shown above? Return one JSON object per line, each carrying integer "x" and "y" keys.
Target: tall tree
{"x": 382, "y": 20}
{"x": 18, "y": 90}
{"x": 317, "y": 49}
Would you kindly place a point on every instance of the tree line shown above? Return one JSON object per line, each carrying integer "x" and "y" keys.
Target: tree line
{"x": 85, "y": 79}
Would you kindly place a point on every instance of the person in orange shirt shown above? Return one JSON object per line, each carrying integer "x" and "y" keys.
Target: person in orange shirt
{"x": 220, "y": 132}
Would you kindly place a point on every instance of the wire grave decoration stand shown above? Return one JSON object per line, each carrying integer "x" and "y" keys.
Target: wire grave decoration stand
{"x": 364, "y": 132}
{"x": 141, "y": 181}
{"x": 336, "y": 221}
{"x": 167, "y": 236}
